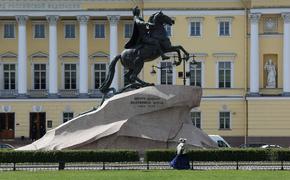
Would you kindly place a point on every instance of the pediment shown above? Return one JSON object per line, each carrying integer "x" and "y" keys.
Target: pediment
{"x": 99, "y": 54}
{"x": 69, "y": 54}
{"x": 39, "y": 54}
{"x": 8, "y": 55}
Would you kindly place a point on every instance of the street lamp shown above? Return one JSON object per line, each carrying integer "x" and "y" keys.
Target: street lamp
{"x": 185, "y": 74}
{"x": 161, "y": 68}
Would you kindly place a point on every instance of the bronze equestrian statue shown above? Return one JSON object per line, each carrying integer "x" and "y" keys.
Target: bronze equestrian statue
{"x": 149, "y": 41}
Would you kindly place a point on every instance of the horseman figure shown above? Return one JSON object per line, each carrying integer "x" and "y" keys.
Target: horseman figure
{"x": 141, "y": 34}
{"x": 148, "y": 42}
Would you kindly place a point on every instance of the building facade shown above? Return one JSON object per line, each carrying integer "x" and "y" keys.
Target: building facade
{"x": 54, "y": 56}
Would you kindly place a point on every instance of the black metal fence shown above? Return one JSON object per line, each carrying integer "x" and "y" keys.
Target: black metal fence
{"x": 195, "y": 165}
{"x": 244, "y": 159}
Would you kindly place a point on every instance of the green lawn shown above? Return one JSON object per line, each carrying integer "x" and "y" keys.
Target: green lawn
{"x": 150, "y": 175}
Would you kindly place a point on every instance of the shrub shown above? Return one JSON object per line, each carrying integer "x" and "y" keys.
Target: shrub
{"x": 213, "y": 155}
{"x": 68, "y": 156}
{"x": 282, "y": 154}
{"x": 160, "y": 155}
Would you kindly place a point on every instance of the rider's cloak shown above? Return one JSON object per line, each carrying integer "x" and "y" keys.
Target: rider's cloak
{"x": 134, "y": 38}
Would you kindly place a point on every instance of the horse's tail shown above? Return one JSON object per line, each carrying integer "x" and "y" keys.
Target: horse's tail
{"x": 105, "y": 87}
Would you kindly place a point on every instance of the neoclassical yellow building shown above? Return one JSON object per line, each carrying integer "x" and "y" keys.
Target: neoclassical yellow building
{"x": 54, "y": 55}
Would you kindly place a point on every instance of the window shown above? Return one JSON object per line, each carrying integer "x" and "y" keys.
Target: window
{"x": 70, "y": 31}
{"x": 100, "y": 30}
{"x": 195, "y": 28}
{"x": 166, "y": 73}
{"x": 9, "y": 76}
{"x": 224, "y": 74}
{"x": 39, "y": 76}
{"x": 196, "y": 119}
{"x": 70, "y": 76}
{"x": 128, "y": 30}
{"x": 225, "y": 118}
{"x": 224, "y": 28}
{"x": 168, "y": 29}
{"x": 100, "y": 74}
{"x": 195, "y": 74}
{"x": 9, "y": 31}
{"x": 49, "y": 123}
{"x": 66, "y": 116}
{"x": 221, "y": 144}
{"x": 39, "y": 31}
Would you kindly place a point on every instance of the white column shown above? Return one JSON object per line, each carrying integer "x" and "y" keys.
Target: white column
{"x": 254, "y": 57}
{"x": 53, "y": 78}
{"x": 286, "y": 54}
{"x": 22, "y": 55}
{"x": 83, "y": 80}
{"x": 114, "y": 47}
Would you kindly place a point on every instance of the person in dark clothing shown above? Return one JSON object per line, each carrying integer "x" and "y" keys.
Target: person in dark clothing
{"x": 181, "y": 160}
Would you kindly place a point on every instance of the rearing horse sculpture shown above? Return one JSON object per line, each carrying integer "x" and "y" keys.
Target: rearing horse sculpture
{"x": 133, "y": 59}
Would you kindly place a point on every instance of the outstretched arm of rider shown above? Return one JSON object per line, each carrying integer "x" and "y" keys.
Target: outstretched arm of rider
{"x": 139, "y": 21}
{"x": 150, "y": 25}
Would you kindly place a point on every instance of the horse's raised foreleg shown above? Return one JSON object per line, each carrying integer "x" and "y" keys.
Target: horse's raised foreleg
{"x": 186, "y": 53}
{"x": 183, "y": 50}
{"x": 177, "y": 50}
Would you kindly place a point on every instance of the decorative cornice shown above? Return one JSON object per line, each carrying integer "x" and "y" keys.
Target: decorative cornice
{"x": 197, "y": 12}
{"x": 114, "y": 19}
{"x": 195, "y": 18}
{"x": 21, "y": 19}
{"x": 166, "y": 1}
{"x": 255, "y": 17}
{"x": 199, "y": 54}
{"x": 52, "y": 19}
{"x": 83, "y": 19}
{"x": 224, "y": 18}
{"x": 225, "y": 54}
{"x": 286, "y": 17}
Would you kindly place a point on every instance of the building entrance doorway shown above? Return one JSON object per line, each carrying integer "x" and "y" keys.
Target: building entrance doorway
{"x": 7, "y": 125}
{"x": 37, "y": 125}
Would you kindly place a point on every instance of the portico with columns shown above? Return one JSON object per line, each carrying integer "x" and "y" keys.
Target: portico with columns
{"x": 257, "y": 19}
{"x": 82, "y": 21}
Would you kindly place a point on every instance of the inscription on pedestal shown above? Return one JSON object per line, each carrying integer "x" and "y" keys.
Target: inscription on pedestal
{"x": 147, "y": 102}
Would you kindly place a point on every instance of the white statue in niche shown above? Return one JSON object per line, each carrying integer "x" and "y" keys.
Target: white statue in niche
{"x": 271, "y": 74}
